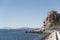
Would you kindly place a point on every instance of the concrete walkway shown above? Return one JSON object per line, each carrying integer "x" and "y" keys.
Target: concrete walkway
{"x": 53, "y": 36}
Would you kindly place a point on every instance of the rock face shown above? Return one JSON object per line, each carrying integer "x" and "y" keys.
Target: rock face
{"x": 52, "y": 20}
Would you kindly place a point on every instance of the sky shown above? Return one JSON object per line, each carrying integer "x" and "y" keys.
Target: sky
{"x": 25, "y": 13}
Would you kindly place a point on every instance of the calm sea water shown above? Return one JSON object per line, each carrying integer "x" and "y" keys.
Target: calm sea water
{"x": 18, "y": 34}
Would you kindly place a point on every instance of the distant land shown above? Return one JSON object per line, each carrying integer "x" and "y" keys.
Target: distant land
{"x": 16, "y": 28}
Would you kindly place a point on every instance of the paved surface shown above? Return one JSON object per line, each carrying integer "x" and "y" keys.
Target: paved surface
{"x": 52, "y": 36}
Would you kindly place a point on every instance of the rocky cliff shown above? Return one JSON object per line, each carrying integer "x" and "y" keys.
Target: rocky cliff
{"x": 52, "y": 20}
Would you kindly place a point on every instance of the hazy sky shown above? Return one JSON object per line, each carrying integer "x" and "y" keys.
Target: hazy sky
{"x": 25, "y": 13}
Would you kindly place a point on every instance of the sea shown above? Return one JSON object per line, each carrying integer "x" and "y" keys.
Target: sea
{"x": 18, "y": 34}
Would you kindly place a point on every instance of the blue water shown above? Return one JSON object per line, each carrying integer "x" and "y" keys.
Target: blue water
{"x": 18, "y": 34}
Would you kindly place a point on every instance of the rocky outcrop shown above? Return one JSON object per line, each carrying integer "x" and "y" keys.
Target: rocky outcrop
{"x": 52, "y": 20}
{"x": 34, "y": 31}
